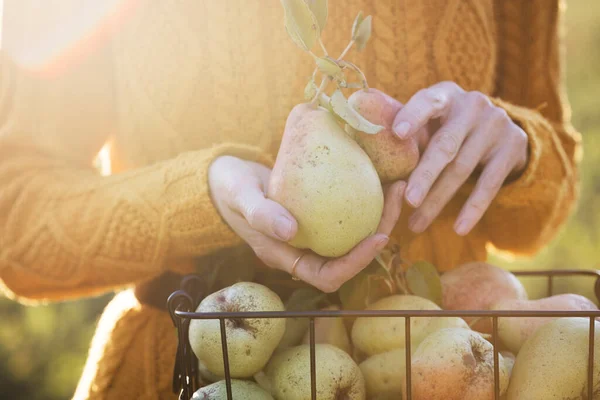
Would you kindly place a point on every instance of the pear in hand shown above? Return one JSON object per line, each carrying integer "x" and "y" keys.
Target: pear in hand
{"x": 514, "y": 332}
{"x": 250, "y": 341}
{"x": 337, "y": 375}
{"x": 327, "y": 182}
{"x": 456, "y": 364}
{"x": 477, "y": 286}
{"x": 242, "y": 390}
{"x": 392, "y": 157}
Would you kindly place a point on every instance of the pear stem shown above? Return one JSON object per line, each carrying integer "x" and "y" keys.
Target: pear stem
{"x": 323, "y": 47}
{"x": 324, "y": 84}
{"x": 346, "y": 50}
{"x": 348, "y": 64}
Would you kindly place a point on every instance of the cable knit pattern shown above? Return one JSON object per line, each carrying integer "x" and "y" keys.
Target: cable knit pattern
{"x": 185, "y": 81}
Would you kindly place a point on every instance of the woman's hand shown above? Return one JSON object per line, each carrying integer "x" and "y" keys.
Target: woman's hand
{"x": 238, "y": 190}
{"x": 472, "y": 133}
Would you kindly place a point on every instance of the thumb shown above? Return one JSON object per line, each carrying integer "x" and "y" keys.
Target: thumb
{"x": 262, "y": 214}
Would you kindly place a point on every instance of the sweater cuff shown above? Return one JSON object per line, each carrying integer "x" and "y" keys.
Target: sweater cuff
{"x": 195, "y": 226}
{"x": 531, "y": 122}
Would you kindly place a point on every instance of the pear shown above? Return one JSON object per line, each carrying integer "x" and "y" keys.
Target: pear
{"x": 250, "y": 341}
{"x": 477, "y": 286}
{"x": 381, "y": 334}
{"x": 241, "y": 390}
{"x": 552, "y": 364}
{"x": 456, "y": 364}
{"x": 327, "y": 182}
{"x": 392, "y": 157}
{"x": 332, "y": 331}
{"x": 385, "y": 374}
{"x": 337, "y": 375}
{"x": 515, "y": 331}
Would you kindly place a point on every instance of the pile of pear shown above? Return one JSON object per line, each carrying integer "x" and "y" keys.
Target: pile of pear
{"x": 451, "y": 357}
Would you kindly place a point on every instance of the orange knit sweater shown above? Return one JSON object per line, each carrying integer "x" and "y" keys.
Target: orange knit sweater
{"x": 180, "y": 83}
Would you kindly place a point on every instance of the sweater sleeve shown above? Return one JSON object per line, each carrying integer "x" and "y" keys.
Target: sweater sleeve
{"x": 529, "y": 211}
{"x": 66, "y": 230}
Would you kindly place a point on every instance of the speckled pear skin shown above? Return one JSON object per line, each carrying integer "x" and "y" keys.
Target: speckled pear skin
{"x": 393, "y": 158}
{"x": 338, "y": 376}
{"x": 552, "y": 364}
{"x": 242, "y": 390}
{"x": 327, "y": 182}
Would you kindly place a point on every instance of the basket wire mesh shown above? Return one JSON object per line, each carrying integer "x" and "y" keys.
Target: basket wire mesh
{"x": 182, "y": 305}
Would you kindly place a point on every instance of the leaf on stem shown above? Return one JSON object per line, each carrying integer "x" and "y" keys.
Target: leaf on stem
{"x": 423, "y": 280}
{"x": 319, "y": 10}
{"x": 328, "y": 66}
{"x": 361, "y": 30}
{"x": 340, "y": 106}
{"x": 310, "y": 90}
{"x": 368, "y": 286}
{"x": 300, "y": 23}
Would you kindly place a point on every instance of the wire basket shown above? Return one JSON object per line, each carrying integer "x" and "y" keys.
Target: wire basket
{"x": 184, "y": 302}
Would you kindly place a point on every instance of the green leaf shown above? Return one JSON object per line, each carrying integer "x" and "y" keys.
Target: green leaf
{"x": 368, "y": 286}
{"x": 319, "y": 10}
{"x": 340, "y": 106}
{"x": 304, "y": 299}
{"x": 363, "y": 33}
{"x": 424, "y": 280}
{"x": 328, "y": 66}
{"x": 350, "y": 131}
{"x": 357, "y": 21}
{"x": 310, "y": 90}
{"x": 300, "y": 23}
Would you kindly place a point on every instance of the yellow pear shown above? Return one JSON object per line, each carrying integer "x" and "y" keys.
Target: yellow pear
{"x": 515, "y": 331}
{"x": 456, "y": 364}
{"x": 250, "y": 342}
{"x": 552, "y": 364}
{"x": 385, "y": 374}
{"x": 327, "y": 182}
{"x": 392, "y": 157}
{"x": 331, "y": 331}
{"x": 477, "y": 286}
{"x": 241, "y": 390}
{"x": 337, "y": 375}
{"x": 381, "y": 334}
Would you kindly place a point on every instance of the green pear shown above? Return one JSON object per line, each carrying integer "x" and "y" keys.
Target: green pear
{"x": 456, "y": 364}
{"x": 241, "y": 390}
{"x": 515, "y": 331}
{"x": 337, "y": 375}
{"x": 381, "y": 334}
{"x": 385, "y": 374}
{"x": 250, "y": 342}
{"x": 392, "y": 157}
{"x": 332, "y": 331}
{"x": 477, "y": 286}
{"x": 552, "y": 364}
{"x": 327, "y": 182}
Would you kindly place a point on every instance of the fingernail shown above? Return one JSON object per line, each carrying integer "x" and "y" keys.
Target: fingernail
{"x": 381, "y": 243}
{"x": 402, "y": 129}
{"x": 417, "y": 223}
{"x": 414, "y": 195}
{"x": 283, "y": 227}
{"x": 462, "y": 227}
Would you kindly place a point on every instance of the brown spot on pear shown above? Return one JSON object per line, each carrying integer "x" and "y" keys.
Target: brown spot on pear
{"x": 250, "y": 342}
{"x": 392, "y": 157}
{"x": 456, "y": 364}
{"x": 322, "y": 176}
{"x": 514, "y": 332}
{"x": 477, "y": 286}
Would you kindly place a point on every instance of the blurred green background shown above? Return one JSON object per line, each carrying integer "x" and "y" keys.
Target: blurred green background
{"x": 43, "y": 349}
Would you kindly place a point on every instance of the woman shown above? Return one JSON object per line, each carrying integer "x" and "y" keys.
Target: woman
{"x": 193, "y": 97}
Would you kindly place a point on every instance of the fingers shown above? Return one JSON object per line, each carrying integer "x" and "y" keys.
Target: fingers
{"x": 451, "y": 179}
{"x": 329, "y": 275}
{"x": 426, "y": 104}
{"x": 392, "y": 207}
{"x": 442, "y": 150}
{"x": 488, "y": 185}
